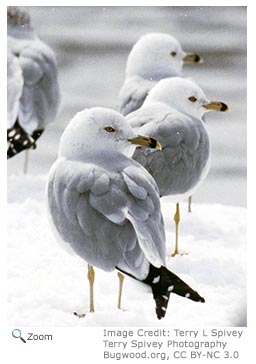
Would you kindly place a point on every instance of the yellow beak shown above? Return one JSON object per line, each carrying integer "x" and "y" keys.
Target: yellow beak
{"x": 217, "y": 106}
{"x": 192, "y": 58}
{"x": 145, "y": 142}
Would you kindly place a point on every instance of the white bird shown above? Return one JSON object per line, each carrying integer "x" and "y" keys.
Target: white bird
{"x": 32, "y": 85}
{"x": 173, "y": 114}
{"x": 106, "y": 206}
{"x": 153, "y": 57}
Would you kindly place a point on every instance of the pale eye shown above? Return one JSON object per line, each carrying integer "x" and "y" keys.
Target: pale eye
{"x": 110, "y": 129}
{"x": 173, "y": 54}
{"x": 192, "y": 99}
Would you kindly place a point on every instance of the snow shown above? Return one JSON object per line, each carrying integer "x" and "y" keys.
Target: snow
{"x": 46, "y": 284}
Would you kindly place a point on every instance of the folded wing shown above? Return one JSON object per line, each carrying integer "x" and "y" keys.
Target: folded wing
{"x": 133, "y": 94}
{"x": 110, "y": 206}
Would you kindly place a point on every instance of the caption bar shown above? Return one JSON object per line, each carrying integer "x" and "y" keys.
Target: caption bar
{"x": 169, "y": 344}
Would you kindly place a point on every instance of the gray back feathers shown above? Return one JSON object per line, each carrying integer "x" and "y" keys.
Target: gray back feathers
{"x": 180, "y": 165}
{"x": 110, "y": 218}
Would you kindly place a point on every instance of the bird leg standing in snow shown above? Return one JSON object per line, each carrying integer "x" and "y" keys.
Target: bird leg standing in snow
{"x": 36, "y": 134}
{"x": 121, "y": 281}
{"x": 90, "y": 276}
{"x": 25, "y": 168}
{"x": 177, "y": 220}
{"x": 189, "y": 203}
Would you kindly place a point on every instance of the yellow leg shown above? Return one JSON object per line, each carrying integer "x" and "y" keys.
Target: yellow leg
{"x": 189, "y": 203}
{"x": 25, "y": 168}
{"x": 121, "y": 281}
{"x": 177, "y": 220}
{"x": 90, "y": 276}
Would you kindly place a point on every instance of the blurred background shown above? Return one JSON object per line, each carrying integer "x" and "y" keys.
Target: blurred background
{"x": 92, "y": 44}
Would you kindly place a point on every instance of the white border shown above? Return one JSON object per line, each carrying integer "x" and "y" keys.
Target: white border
{"x": 82, "y": 345}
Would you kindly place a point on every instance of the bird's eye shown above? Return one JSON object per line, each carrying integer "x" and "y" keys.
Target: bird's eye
{"x": 173, "y": 54}
{"x": 192, "y": 99}
{"x": 110, "y": 129}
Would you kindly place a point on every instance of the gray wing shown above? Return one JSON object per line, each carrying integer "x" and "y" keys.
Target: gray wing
{"x": 133, "y": 94}
{"x": 144, "y": 212}
{"x": 152, "y": 114}
{"x": 109, "y": 219}
{"x": 40, "y": 95}
{"x": 14, "y": 88}
{"x": 185, "y": 151}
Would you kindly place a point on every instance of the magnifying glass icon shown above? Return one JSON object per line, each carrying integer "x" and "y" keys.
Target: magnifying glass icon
{"x": 17, "y": 334}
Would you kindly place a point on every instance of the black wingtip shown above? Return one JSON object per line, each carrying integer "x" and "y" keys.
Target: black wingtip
{"x": 194, "y": 296}
{"x": 19, "y": 140}
{"x": 162, "y": 301}
{"x": 163, "y": 282}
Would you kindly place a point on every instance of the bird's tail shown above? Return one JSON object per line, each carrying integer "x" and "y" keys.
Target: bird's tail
{"x": 17, "y": 146}
{"x": 163, "y": 282}
{"x": 18, "y": 140}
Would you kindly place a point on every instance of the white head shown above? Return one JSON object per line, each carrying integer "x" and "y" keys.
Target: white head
{"x": 184, "y": 96}
{"x": 158, "y": 55}
{"x": 18, "y": 17}
{"x": 100, "y": 130}
{"x": 19, "y": 26}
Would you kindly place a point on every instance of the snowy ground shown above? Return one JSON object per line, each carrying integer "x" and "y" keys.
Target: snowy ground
{"x": 46, "y": 284}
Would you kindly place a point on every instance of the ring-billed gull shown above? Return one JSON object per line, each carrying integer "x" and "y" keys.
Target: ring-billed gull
{"x": 33, "y": 89}
{"x": 106, "y": 206}
{"x": 153, "y": 57}
{"x": 173, "y": 114}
